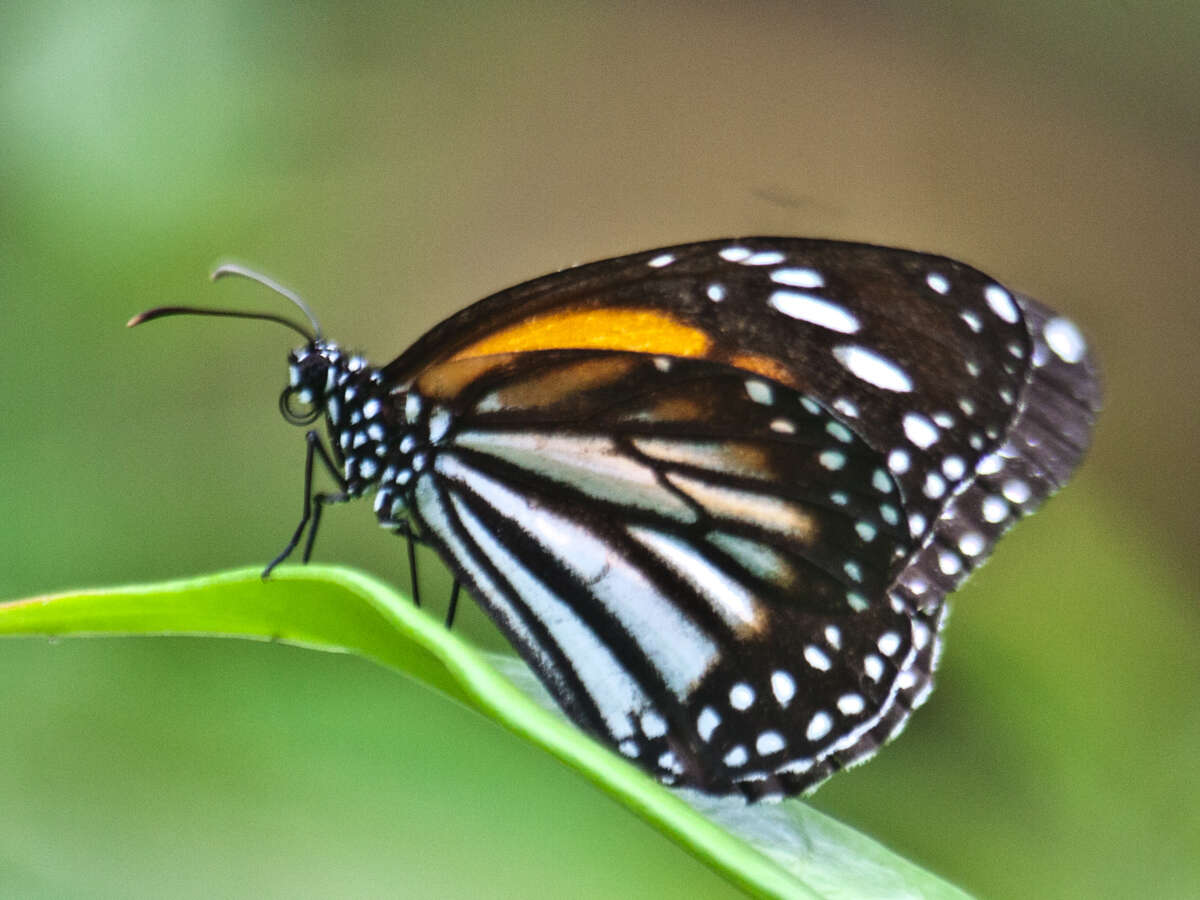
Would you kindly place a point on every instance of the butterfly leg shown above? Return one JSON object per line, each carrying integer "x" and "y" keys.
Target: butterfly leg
{"x": 453, "y": 608}
{"x": 412, "y": 567}
{"x": 320, "y": 501}
{"x": 313, "y": 503}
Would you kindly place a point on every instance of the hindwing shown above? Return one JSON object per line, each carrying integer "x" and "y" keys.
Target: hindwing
{"x": 687, "y": 554}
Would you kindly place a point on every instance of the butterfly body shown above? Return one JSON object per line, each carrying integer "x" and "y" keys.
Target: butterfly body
{"x": 716, "y": 494}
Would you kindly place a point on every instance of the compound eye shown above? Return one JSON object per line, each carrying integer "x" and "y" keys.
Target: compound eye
{"x": 296, "y": 404}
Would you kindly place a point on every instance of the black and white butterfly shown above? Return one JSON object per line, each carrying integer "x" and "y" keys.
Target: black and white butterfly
{"x": 714, "y": 494}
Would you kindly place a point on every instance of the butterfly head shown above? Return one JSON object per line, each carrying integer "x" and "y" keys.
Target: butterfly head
{"x": 373, "y": 450}
{"x": 324, "y": 380}
{"x": 316, "y": 371}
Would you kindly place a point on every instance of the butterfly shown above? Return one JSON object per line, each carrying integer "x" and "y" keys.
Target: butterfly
{"x": 714, "y": 494}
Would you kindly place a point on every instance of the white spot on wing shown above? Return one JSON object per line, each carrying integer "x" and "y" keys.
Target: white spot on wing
{"x": 971, "y": 543}
{"x": 994, "y": 508}
{"x": 846, "y": 407}
{"x": 412, "y": 406}
{"x": 819, "y": 726}
{"x": 989, "y": 464}
{"x": 851, "y": 704}
{"x": 920, "y": 430}
{"x": 840, "y": 432}
{"x": 783, "y": 686}
{"x": 873, "y": 368}
{"x": 888, "y": 643}
{"x": 816, "y": 657}
{"x": 669, "y": 762}
{"x": 920, "y": 634}
{"x": 759, "y": 391}
{"x": 1065, "y": 339}
{"x": 833, "y": 460}
{"x": 815, "y": 310}
{"x": 769, "y": 742}
{"x": 763, "y": 258}
{"x": 873, "y": 666}
{"x": 439, "y": 424}
{"x": 949, "y": 563}
{"x": 741, "y": 696}
{"x": 1016, "y": 491}
{"x": 881, "y": 482}
{"x": 736, "y": 757}
{"x": 935, "y": 485}
{"x": 1001, "y": 303}
{"x": 801, "y": 278}
{"x": 954, "y": 468}
{"x": 653, "y": 725}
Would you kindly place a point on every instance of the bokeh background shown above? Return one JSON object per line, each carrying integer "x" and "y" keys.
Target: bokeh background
{"x": 396, "y": 161}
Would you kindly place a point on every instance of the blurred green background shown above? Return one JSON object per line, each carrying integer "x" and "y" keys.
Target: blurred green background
{"x": 394, "y": 162}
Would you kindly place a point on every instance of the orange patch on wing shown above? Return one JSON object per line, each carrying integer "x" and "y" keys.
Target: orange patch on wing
{"x": 635, "y": 330}
{"x": 559, "y": 384}
{"x": 447, "y": 380}
{"x": 763, "y": 365}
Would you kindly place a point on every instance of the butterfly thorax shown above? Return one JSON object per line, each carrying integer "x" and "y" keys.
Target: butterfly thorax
{"x": 376, "y": 432}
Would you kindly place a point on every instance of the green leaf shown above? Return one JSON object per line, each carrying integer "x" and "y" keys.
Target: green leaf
{"x": 785, "y": 850}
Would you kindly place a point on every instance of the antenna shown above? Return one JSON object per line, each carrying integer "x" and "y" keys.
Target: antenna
{"x": 234, "y": 269}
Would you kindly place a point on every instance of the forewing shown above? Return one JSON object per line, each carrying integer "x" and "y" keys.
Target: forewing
{"x": 930, "y": 361}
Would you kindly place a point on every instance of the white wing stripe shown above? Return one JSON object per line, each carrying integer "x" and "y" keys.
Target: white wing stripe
{"x": 757, "y": 558}
{"x": 590, "y": 464}
{"x": 617, "y": 696}
{"x": 433, "y": 512}
{"x": 728, "y": 599}
{"x": 680, "y": 651}
{"x": 751, "y": 507}
{"x": 727, "y": 457}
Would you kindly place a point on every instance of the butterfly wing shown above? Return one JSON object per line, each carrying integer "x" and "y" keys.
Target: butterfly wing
{"x": 976, "y": 402}
{"x": 930, "y": 361}
{"x": 694, "y": 560}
